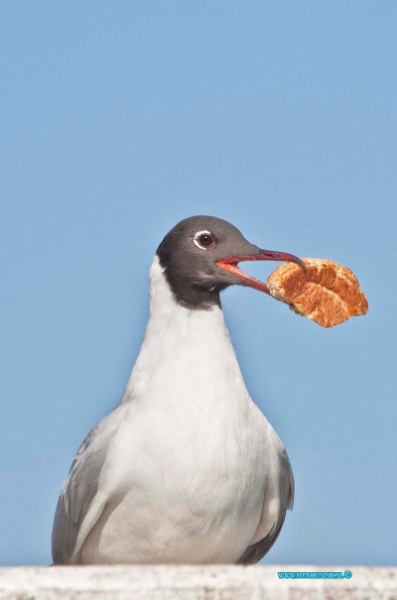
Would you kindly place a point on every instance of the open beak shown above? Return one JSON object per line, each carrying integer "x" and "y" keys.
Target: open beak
{"x": 231, "y": 265}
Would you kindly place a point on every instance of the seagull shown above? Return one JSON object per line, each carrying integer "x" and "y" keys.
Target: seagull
{"x": 186, "y": 469}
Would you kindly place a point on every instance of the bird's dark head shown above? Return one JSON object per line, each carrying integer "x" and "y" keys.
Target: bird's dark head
{"x": 200, "y": 257}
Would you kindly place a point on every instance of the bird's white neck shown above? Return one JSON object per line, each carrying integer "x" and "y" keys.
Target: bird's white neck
{"x": 184, "y": 349}
{"x": 165, "y": 311}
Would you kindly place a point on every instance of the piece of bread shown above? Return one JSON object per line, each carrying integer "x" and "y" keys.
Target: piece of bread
{"x": 327, "y": 293}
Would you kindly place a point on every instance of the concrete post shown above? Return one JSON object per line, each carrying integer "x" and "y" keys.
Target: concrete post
{"x": 220, "y": 582}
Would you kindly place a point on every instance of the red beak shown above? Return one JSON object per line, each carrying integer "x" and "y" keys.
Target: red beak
{"x": 231, "y": 265}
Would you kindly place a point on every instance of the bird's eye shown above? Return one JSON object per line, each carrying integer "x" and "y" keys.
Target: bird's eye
{"x": 204, "y": 239}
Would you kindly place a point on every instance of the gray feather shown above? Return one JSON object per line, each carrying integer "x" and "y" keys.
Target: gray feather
{"x": 255, "y": 552}
{"x": 80, "y": 489}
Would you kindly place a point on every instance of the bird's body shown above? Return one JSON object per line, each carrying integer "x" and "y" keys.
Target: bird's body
{"x": 186, "y": 469}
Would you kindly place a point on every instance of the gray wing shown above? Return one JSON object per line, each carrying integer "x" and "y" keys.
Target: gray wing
{"x": 254, "y": 553}
{"x": 80, "y": 489}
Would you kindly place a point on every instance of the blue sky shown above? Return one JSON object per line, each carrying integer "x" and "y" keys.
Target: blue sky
{"x": 119, "y": 119}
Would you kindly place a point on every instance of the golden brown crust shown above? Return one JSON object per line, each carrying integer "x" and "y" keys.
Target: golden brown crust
{"x": 327, "y": 293}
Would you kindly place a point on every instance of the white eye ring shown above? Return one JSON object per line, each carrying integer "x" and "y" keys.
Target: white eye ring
{"x": 197, "y": 237}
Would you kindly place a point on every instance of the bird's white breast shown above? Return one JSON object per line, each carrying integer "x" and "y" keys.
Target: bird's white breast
{"x": 187, "y": 469}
